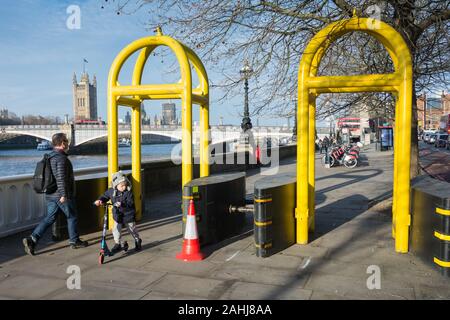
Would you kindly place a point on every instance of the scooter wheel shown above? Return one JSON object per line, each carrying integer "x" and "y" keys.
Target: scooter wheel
{"x": 101, "y": 258}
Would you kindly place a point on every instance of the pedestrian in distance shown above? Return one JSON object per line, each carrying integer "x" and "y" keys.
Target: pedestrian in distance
{"x": 124, "y": 211}
{"x": 59, "y": 198}
{"x": 258, "y": 154}
{"x": 326, "y": 142}
{"x": 320, "y": 143}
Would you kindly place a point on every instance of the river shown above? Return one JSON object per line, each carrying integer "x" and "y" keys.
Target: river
{"x": 23, "y": 161}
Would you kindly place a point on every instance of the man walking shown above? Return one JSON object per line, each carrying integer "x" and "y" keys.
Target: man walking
{"x": 63, "y": 199}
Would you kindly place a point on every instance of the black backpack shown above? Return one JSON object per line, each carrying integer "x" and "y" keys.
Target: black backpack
{"x": 43, "y": 180}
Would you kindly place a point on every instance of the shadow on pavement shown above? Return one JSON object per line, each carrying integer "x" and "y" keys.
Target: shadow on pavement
{"x": 352, "y": 175}
{"x": 323, "y": 226}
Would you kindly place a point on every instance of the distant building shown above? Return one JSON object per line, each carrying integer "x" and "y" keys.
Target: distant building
{"x": 430, "y": 110}
{"x": 4, "y": 114}
{"x": 8, "y": 118}
{"x": 145, "y": 118}
{"x": 445, "y": 100}
{"x": 169, "y": 115}
{"x": 84, "y": 98}
{"x": 128, "y": 118}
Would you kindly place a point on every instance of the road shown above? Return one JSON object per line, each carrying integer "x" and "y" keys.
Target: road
{"x": 435, "y": 161}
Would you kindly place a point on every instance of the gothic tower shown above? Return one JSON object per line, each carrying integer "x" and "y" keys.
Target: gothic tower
{"x": 84, "y": 98}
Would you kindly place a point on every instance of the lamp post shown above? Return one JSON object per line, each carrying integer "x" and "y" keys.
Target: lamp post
{"x": 246, "y": 134}
{"x": 294, "y": 128}
{"x": 246, "y": 72}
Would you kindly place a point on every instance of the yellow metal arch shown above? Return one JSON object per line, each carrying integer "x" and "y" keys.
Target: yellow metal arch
{"x": 133, "y": 95}
{"x": 398, "y": 83}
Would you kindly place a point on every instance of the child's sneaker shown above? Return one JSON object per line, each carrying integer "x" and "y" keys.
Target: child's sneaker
{"x": 138, "y": 245}
{"x": 125, "y": 246}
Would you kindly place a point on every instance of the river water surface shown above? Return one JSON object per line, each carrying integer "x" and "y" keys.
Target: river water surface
{"x": 23, "y": 161}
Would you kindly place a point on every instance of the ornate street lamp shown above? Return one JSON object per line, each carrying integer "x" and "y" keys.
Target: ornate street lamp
{"x": 246, "y": 71}
{"x": 294, "y": 129}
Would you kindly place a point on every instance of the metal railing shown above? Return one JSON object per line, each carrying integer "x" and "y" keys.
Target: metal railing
{"x": 21, "y": 207}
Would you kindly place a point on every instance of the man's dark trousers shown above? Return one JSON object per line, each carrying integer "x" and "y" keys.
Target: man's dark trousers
{"x": 54, "y": 206}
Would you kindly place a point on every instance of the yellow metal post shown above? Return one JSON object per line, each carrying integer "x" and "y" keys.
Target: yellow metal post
{"x": 204, "y": 141}
{"x": 201, "y": 96}
{"x": 398, "y": 83}
{"x": 136, "y": 160}
{"x": 302, "y": 211}
{"x": 403, "y": 119}
{"x": 311, "y": 161}
{"x": 396, "y": 154}
{"x": 186, "y": 141}
{"x": 113, "y": 137}
{"x": 133, "y": 95}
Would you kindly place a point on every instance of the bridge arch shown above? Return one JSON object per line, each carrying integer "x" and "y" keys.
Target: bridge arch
{"x": 399, "y": 83}
{"x": 29, "y": 134}
{"x": 154, "y": 133}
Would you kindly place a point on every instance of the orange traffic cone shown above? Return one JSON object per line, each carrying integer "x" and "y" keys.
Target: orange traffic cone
{"x": 191, "y": 244}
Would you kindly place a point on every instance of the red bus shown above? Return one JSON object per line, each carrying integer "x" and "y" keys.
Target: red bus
{"x": 85, "y": 121}
{"x": 353, "y": 128}
{"x": 444, "y": 124}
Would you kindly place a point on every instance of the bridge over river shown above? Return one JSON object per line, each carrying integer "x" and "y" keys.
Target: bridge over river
{"x": 83, "y": 134}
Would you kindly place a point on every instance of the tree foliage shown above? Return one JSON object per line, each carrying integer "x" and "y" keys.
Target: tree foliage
{"x": 273, "y": 34}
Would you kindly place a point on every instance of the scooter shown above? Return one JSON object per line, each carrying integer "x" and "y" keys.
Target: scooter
{"x": 104, "y": 250}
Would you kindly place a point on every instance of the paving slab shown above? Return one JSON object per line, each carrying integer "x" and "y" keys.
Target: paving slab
{"x": 357, "y": 287}
{"x": 432, "y": 292}
{"x": 319, "y": 295}
{"x": 229, "y": 252}
{"x": 261, "y": 274}
{"x": 306, "y": 251}
{"x": 30, "y": 287}
{"x": 92, "y": 291}
{"x": 175, "y": 266}
{"x": 190, "y": 286}
{"x": 258, "y": 291}
{"x": 41, "y": 266}
{"x": 325, "y": 266}
{"x": 155, "y": 295}
{"x": 121, "y": 277}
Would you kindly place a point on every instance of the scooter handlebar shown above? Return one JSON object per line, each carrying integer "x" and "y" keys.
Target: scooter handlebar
{"x": 102, "y": 205}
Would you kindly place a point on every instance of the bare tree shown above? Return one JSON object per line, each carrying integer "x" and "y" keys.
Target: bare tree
{"x": 273, "y": 34}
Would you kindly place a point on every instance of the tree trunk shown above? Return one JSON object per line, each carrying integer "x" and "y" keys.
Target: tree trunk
{"x": 405, "y": 14}
{"x": 415, "y": 166}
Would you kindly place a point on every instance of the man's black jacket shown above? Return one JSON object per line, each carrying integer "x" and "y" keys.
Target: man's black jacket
{"x": 62, "y": 170}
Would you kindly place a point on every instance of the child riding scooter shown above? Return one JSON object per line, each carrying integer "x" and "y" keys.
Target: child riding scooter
{"x": 123, "y": 211}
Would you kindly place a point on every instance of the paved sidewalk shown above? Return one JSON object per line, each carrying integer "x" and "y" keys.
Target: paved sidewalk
{"x": 350, "y": 236}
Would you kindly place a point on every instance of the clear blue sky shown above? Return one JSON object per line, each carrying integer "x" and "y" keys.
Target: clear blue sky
{"x": 38, "y": 55}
